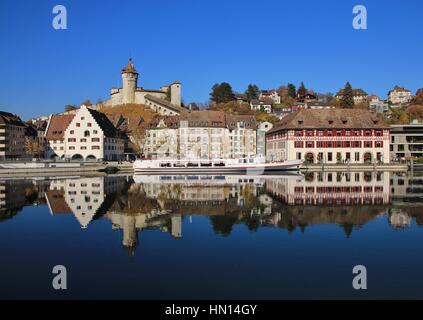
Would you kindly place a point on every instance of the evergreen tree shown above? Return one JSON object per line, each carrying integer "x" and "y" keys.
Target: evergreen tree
{"x": 302, "y": 90}
{"x": 347, "y": 100}
{"x": 222, "y": 93}
{"x": 252, "y": 92}
{"x": 292, "y": 91}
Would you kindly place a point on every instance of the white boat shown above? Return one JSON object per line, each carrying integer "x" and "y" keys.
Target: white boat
{"x": 252, "y": 165}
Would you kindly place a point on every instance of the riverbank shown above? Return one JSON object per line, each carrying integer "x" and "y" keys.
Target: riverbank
{"x": 39, "y": 169}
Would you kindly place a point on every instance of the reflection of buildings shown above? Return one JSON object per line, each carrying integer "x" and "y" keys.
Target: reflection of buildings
{"x": 399, "y": 219}
{"x": 15, "y": 194}
{"x": 327, "y": 188}
{"x": 134, "y": 212}
{"x": 86, "y": 198}
{"x": 407, "y": 189}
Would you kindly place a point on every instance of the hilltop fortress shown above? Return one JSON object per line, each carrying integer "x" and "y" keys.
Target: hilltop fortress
{"x": 165, "y": 101}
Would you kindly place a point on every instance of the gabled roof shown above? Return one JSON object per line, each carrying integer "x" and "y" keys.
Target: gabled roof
{"x": 56, "y": 202}
{"x": 330, "y": 118}
{"x": 7, "y": 118}
{"x": 399, "y": 89}
{"x": 105, "y": 124}
{"x": 57, "y": 125}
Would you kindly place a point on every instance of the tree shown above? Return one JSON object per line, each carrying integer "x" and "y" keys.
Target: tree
{"x": 252, "y": 92}
{"x": 222, "y": 93}
{"x": 292, "y": 91}
{"x": 302, "y": 90}
{"x": 347, "y": 100}
{"x": 418, "y": 99}
{"x": 34, "y": 147}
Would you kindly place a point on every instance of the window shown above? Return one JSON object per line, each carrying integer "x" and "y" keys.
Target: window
{"x": 95, "y": 139}
{"x": 298, "y": 144}
{"x": 367, "y": 144}
{"x": 72, "y": 148}
{"x": 95, "y": 148}
{"x": 89, "y": 124}
{"x": 71, "y": 140}
{"x": 95, "y": 131}
{"x": 298, "y": 155}
{"x": 83, "y": 148}
{"x": 86, "y": 133}
{"x": 330, "y": 156}
{"x": 379, "y": 144}
{"x": 83, "y": 140}
{"x": 310, "y": 144}
{"x": 78, "y": 124}
{"x": 357, "y": 156}
{"x": 72, "y": 132}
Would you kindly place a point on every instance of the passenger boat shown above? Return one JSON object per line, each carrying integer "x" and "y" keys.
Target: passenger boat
{"x": 252, "y": 165}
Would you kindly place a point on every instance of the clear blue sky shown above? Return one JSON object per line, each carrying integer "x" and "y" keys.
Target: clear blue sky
{"x": 267, "y": 42}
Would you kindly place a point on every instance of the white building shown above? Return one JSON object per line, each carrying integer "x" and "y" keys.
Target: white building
{"x": 201, "y": 134}
{"x": 264, "y": 105}
{"x": 270, "y": 94}
{"x": 377, "y": 105}
{"x": 400, "y": 95}
{"x": 87, "y": 135}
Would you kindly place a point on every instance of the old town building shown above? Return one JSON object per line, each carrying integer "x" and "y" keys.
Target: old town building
{"x": 86, "y": 135}
{"x": 12, "y": 136}
{"x": 201, "y": 134}
{"x": 329, "y": 136}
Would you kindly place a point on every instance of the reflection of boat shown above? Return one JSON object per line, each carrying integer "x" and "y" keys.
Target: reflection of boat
{"x": 205, "y": 179}
{"x": 252, "y": 165}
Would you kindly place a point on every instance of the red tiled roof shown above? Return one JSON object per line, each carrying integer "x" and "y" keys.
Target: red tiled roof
{"x": 57, "y": 202}
{"x": 57, "y": 125}
{"x": 330, "y": 118}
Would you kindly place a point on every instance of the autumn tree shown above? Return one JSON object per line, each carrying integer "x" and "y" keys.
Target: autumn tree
{"x": 222, "y": 93}
{"x": 34, "y": 147}
{"x": 347, "y": 100}
{"x": 252, "y": 92}
{"x": 418, "y": 99}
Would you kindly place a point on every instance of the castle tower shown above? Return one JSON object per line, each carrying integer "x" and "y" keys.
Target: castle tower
{"x": 175, "y": 93}
{"x": 129, "y": 83}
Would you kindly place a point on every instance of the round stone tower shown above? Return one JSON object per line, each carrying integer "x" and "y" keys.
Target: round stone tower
{"x": 129, "y": 83}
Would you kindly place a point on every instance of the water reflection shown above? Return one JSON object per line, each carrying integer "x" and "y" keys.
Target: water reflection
{"x": 290, "y": 202}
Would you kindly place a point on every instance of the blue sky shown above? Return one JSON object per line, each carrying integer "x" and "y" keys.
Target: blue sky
{"x": 267, "y": 42}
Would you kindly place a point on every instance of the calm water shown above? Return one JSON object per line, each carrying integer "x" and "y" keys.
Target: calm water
{"x": 268, "y": 237}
